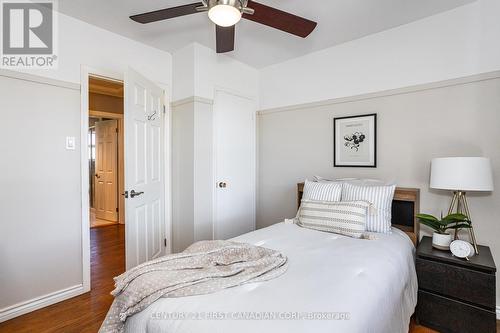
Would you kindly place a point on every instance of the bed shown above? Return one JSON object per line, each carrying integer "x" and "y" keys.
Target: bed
{"x": 333, "y": 284}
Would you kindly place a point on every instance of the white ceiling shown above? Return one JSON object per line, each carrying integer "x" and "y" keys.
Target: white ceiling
{"x": 257, "y": 45}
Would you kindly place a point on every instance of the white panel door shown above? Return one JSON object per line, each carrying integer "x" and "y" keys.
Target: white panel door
{"x": 234, "y": 212}
{"x": 106, "y": 170}
{"x": 144, "y": 170}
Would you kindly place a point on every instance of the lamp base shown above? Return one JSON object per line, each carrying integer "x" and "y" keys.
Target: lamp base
{"x": 459, "y": 205}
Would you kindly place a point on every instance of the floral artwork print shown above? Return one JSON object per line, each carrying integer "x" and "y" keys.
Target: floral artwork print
{"x": 354, "y": 140}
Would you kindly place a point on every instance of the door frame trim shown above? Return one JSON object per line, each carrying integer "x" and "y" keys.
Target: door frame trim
{"x": 167, "y": 165}
{"x": 214, "y": 159}
{"x": 85, "y": 73}
{"x": 105, "y": 114}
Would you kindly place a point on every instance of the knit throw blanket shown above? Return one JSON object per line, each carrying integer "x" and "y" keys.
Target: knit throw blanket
{"x": 205, "y": 267}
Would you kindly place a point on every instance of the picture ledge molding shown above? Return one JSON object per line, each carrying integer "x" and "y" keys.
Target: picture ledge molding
{"x": 38, "y": 79}
{"x": 384, "y": 93}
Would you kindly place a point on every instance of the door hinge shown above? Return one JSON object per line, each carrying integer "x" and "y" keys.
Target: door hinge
{"x": 165, "y": 242}
{"x": 116, "y": 129}
{"x": 117, "y": 209}
{"x": 164, "y": 109}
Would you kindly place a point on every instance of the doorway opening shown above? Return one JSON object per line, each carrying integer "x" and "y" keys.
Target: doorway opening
{"x": 106, "y": 148}
{"x": 106, "y": 181}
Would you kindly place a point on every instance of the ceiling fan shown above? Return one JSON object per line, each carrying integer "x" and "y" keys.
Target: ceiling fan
{"x": 226, "y": 13}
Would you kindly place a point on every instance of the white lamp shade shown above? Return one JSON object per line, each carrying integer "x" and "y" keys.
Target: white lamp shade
{"x": 462, "y": 174}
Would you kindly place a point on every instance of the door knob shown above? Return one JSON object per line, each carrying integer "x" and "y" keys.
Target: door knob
{"x": 134, "y": 194}
{"x": 222, "y": 185}
{"x": 97, "y": 176}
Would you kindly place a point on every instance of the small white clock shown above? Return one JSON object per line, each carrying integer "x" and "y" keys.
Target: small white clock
{"x": 462, "y": 249}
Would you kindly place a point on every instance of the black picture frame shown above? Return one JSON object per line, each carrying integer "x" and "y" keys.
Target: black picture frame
{"x": 336, "y": 163}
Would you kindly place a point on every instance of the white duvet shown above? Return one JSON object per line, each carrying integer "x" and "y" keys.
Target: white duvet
{"x": 333, "y": 284}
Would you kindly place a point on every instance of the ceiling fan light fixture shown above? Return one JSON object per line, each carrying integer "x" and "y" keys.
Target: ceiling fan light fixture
{"x": 225, "y": 13}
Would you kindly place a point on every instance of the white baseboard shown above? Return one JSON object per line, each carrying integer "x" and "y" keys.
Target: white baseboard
{"x": 39, "y": 302}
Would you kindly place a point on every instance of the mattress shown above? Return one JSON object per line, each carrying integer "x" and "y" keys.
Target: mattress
{"x": 333, "y": 284}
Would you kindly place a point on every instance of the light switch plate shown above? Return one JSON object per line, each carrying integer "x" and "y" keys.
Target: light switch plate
{"x": 70, "y": 143}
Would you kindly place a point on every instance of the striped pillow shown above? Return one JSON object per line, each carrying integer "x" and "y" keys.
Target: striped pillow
{"x": 345, "y": 218}
{"x": 322, "y": 191}
{"x": 381, "y": 199}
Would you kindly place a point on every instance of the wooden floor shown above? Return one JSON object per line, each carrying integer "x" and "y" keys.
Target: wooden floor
{"x": 85, "y": 313}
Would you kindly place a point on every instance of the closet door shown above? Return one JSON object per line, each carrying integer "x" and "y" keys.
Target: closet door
{"x": 235, "y": 165}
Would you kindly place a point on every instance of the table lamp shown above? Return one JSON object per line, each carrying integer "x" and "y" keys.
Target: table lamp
{"x": 462, "y": 175}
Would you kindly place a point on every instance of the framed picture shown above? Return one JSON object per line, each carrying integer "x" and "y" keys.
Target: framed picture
{"x": 355, "y": 141}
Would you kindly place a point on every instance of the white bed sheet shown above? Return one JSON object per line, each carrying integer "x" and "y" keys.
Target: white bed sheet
{"x": 373, "y": 281}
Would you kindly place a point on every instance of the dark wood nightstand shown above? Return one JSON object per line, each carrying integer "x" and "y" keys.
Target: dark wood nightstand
{"x": 455, "y": 295}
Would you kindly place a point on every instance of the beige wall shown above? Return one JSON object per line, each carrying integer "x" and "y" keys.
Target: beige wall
{"x": 413, "y": 127}
{"x": 40, "y": 197}
{"x": 192, "y": 171}
{"x": 182, "y": 176}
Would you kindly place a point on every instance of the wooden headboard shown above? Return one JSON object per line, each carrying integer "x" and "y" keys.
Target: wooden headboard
{"x": 405, "y": 207}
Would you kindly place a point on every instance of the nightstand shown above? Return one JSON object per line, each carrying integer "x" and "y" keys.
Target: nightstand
{"x": 455, "y": 295}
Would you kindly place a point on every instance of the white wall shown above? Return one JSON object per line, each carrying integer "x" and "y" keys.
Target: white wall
{"x": 183, "y": 70}
{"x": 413, "y": 128}
{"x": 83, "y": 44}
{"x": 214, "y": 70}
{"x": 198, "y": 70}
{"x": 456, "y": 43}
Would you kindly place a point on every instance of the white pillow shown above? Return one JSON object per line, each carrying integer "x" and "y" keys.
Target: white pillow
{"x": 322, "y": 191}
{"x": 381, "y": 199}
{"x": 347, "y": 218}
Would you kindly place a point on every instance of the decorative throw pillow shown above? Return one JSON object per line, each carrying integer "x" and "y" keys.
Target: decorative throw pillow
{"x": 322, "y": 191}
{"x": 381, "y": 199}
{"x": 345, "y": 218}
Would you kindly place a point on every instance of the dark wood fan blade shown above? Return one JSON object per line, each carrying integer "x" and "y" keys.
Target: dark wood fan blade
{"x": 225, "y": 39}
{"x": 280, "y": 20}
{"x": 166, "y": 13}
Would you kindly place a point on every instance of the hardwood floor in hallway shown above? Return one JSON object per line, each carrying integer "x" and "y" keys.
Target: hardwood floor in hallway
{"x": 85, "y": 313}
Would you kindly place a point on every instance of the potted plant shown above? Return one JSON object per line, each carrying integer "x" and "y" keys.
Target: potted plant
{"x": 440, "y": 238}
